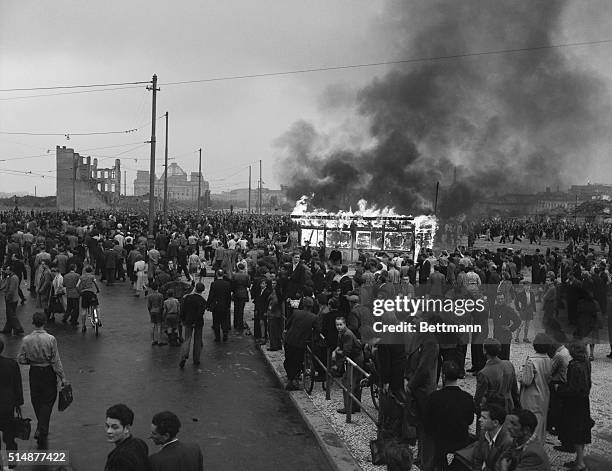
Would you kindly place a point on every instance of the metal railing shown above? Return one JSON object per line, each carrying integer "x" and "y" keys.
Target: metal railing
{"x": 350, "y": 367}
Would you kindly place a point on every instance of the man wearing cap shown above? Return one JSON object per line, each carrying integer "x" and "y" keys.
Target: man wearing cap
{"x": 219, "y": 302}
{"x": 301, "y": 328}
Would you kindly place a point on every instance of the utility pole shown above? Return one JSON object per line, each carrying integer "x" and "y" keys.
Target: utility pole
{"x": 249, "y": 189}
{"x": 166, "y": 174}
{"x": 153, "y": 88}
{"x": 260, "y": 187}
{"x": 200, "y": 181}
{"x": 125, "y": 183}
{"x": 34, "y": 191}
{"x": 74, "y": 184}
{"x": 436, "y": 201}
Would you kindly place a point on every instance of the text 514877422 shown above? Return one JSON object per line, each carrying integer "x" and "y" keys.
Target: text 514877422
{"x": 47, "y": 457}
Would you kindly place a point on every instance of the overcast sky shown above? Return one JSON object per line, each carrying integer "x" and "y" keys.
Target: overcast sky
{"x": 236, "y": 122}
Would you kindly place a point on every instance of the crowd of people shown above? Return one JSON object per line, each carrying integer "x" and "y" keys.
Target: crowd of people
{"x": 310, "y": 296}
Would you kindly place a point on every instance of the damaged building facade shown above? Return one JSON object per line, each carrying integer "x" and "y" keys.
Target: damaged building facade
{"x": 81, "y": 184}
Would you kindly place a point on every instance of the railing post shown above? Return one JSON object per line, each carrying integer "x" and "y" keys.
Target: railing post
{"x": 328, "y": 381}
{"x": 349, "y": 407}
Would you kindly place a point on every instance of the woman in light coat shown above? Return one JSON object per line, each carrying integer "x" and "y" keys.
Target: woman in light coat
{"x": 140, "y": 272}
{"x": 534, "y": 380}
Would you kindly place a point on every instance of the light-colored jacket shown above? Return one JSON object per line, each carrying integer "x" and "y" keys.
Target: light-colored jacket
{"x": 535, "y": 393}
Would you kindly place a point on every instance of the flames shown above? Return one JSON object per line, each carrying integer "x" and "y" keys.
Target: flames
{"x": 301, "y": 209}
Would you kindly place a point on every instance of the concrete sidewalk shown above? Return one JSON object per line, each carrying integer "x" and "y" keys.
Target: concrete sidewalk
{"x": 333, "y": 446}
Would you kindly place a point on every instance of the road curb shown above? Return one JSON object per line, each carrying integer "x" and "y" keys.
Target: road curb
{"x": 333, "y": 446}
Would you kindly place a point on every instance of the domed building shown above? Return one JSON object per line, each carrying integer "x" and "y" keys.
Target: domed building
{"x": 180, "y": 187}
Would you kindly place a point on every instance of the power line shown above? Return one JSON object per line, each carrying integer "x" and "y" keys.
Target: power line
{"x": 68, "y": 134}
{"x": 394, "y": 62}
{"x": 73, "y": 86}
{"x": 24, "y": 97}
{"x": 127, "y": 85}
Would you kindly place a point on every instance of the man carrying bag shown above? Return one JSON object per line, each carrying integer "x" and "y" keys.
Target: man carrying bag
{"x": 11, "y": 397}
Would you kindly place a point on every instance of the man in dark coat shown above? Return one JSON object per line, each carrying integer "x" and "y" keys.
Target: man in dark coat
{"x": 420, "y": 380}
{"x": 261, "y": 298}
{"x": 11, "y": 397}
{"x": 297, "y": 276}
{"x": 448, "y": 415}
{"x": 301, "y": 328}
{"x": 130, "y": 453}
{"x": 110, "y": 265}
{"x": 174, "y": 455}
{"x": 219, "y": 302}
{"x": 193, "y": 308}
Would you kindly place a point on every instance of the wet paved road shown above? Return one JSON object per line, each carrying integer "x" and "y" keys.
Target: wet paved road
{"x": 231, "y": 405}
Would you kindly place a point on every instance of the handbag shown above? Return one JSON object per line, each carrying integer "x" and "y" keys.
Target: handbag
{"x": 65, "y": 397}
{"x": 23, "y": 427}
{"x": 377, "y": 448}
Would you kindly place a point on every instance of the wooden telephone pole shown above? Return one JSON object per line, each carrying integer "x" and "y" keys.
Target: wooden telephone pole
{"x": 153, "y": 88}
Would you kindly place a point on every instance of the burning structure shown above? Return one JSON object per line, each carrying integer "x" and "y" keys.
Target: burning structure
{"x": 367, "y": 229}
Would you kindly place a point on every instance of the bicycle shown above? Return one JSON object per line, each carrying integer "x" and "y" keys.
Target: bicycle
{"x": 94, "y": 319}
{"x": 92, "y": 314}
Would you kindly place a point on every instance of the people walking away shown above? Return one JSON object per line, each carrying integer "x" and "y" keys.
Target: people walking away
{"x": 170, "y": 318}
{"x": 89, "y": 290}
{"x": 219, "y": 302}
{"x": 174, "y": 455}
{"x": 240, "y": 293}
{"x": 11, "y": 398}
{"x": 10, "y": 285}
{"x": 155, "y": 306}
{"x": 71, "y": 280}
{"x": 39, "y": 350}
{"x": 192, "y": 317}
{"x": 130, "y": 453}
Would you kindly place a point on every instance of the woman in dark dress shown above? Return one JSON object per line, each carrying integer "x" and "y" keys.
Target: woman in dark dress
{"x": 577, "y": 423}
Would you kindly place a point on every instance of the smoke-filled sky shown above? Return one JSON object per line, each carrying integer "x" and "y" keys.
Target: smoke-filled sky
{"x": 520, "y": 120}
{"x": 512, "y": 122}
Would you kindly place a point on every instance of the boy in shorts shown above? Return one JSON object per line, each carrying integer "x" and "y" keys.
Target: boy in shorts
{"x": 86, "y": 286}
{"x": 171, "y": 311}
{"x": 155, "y": 305}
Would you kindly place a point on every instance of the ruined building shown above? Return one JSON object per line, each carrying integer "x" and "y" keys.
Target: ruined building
{"x": 82, "y": 185}
{"x": 179, "y": 187}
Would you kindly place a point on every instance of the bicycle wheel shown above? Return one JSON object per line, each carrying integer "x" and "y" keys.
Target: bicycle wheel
{"x": 375, "y": 394}
{"x": 95, "y": 322}
{"x": 308, "y": 373}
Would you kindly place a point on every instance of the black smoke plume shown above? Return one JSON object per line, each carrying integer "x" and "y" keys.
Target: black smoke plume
{"x": 506, "y": 123}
